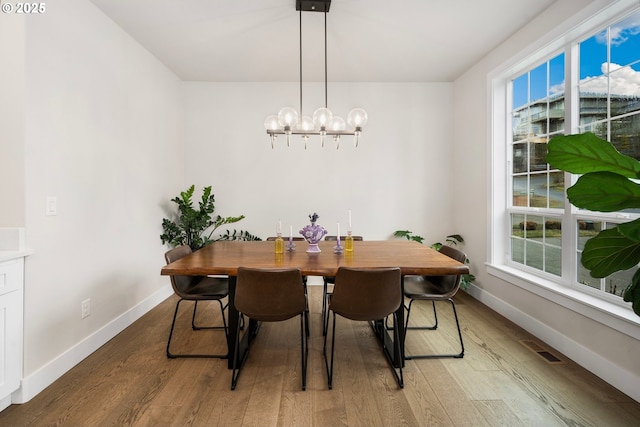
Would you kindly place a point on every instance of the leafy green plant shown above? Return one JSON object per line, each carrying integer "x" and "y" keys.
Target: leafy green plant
{"x": 450, "y": 240}
{"x": 606, "y": 185}
{"x": 191, "y": 225}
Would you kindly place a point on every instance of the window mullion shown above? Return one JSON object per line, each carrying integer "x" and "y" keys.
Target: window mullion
{"x": 572, "y": 120}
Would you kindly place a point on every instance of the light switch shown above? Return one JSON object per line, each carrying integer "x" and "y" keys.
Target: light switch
{"x": 52, "y": 206}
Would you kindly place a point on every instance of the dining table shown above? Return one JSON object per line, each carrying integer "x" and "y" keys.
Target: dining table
{"x": 224, "y": 258}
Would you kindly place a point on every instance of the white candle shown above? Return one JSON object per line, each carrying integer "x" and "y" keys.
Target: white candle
{"x": 338, "y": 232}
{"x": 279, "y": 230}
{"x": 349, "y": 218}
{"x": 291, "y": 232}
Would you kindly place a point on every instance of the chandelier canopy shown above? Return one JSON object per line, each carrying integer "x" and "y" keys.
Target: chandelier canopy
{"x": 290, "y": 121}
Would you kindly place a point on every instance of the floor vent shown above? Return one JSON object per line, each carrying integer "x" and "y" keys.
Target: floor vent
{"x": 541, "y": 351}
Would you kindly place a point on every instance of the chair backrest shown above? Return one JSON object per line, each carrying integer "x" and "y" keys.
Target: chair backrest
{"x": 285, "y": 238}
{"x": 450, "y": 284}
{"x": 355, "y": 238}
{"x": 366, "y": 294}
{"x": 180, "y": 283}
{"x": 270, "y": 295}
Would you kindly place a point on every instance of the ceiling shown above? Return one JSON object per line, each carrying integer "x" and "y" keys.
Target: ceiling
{"x": 367, "y": 40}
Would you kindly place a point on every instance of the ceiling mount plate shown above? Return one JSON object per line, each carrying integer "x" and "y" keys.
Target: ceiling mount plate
{"x": 313, "y": 5}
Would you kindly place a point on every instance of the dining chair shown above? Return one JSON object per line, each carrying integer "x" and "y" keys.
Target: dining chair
{"x": 196, "y": 288}
{"x": 304, "y": 278}
{"x": 435, "y": 288}
{"x": 271, "y": 295}
{"x": 330, "y": 280}
{"x": 285, "y": 238}
{"x": 365, "y": 295}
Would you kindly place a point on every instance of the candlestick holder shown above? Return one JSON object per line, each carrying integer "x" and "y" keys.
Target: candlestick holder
{"x": 338, "y": 248}
{"x": 290, "y": 245}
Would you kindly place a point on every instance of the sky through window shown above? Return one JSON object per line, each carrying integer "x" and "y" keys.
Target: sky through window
{"x": 610, "y": 58}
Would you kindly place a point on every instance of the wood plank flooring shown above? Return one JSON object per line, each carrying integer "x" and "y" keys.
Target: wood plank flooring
{"x": 500, "y": 381}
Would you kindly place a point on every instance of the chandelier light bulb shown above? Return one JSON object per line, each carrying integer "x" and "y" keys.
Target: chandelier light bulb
{"x": 357, "y": 118}
{"x": 288, "y": 116}
{"x": 306, "y": 124}
{"x": 337, "y": 124}
{"x": 321, "y": 117}
{"x": 271, "y": 124}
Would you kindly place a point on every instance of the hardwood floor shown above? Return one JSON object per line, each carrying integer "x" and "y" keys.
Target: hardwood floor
{"x": 500, "y": 381}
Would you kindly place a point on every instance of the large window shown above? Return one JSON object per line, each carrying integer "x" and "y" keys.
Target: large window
{"x": 590, "y": 84}
{"x": 537, "y": 114}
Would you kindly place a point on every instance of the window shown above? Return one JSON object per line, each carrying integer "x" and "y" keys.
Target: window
{"x": 590, "y": 83}
{"x": 537, "y": 114}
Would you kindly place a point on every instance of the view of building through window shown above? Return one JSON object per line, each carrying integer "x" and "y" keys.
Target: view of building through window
{"x": 608, "y": 95}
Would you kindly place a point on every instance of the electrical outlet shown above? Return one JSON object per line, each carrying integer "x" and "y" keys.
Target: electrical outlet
{"x": 86, "y": 308}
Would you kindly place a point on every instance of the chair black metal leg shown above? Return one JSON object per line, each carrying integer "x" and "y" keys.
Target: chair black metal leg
{"x": 438, "y": 356}
{"x": 325, "y": 317}
{"x": 304, "y": 347}
{"x": 431, "y": 328}
{"x": 396, "y": 338}
{"x": 329, "y": 365}
{"x": 173, "y": 324}
{"x": 324, "y": 307}
{"x": 195, "y": 327}
{"x": 306, "y": 297}
{"x": 237, "y": 364}
{"x": 333, "y": 349}
{"x": 455, "y": 314}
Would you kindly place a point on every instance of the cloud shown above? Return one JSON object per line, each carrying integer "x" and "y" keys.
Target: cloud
{"x": 622, "y": 80}
{"x": 621, "y": 31}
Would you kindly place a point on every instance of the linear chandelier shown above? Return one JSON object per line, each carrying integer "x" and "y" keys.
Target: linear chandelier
{"x": 290, "y": 121}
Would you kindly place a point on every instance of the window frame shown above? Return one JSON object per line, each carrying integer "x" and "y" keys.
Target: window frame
{"x": 564, "y": 290}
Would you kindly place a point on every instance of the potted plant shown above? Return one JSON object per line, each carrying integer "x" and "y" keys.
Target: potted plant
{"x": 451, "y": 240}
{"x": 606, "y": 185}
{"x": 191, "y": 225}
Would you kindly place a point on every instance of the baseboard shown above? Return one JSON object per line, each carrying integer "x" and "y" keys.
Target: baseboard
{"x": 622, "y": 379}
{"x": 45, "y": 376}
{"x": 5, "y": 403}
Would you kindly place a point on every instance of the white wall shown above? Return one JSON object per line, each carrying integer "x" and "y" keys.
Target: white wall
{"x": 397, "y": 178}
{"x": 608, "y": 353}
{"x": 12, "y": 121}
{"x": 104, "y": 129}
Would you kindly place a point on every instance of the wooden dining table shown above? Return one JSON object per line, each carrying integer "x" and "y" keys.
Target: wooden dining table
{"x": 224, "y": 258}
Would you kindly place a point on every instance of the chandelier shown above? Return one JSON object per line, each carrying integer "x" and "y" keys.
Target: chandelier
{"x": 290, "y": 121}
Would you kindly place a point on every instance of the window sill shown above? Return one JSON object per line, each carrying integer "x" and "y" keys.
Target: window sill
{"x": 622, "y": 319}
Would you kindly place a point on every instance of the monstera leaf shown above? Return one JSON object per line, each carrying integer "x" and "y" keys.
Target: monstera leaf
{"x": 607, "y": 185}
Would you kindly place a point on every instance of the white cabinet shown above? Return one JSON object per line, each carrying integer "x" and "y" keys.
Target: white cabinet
{"x": 11, "y": 303}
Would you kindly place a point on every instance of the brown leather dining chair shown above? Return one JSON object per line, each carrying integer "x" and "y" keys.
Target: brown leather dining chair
{"x": 435, "y": 288}
{"x": 365, "y": 295}
{"x": 271, "y": 295}
{"x": 304, "y": 278}
{"x": 196, "y": 288}
{"x": 330, "y": 280}
{"x": 285, "y": 238}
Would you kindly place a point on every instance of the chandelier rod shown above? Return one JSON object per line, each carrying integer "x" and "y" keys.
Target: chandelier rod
{"x": 300, "y": 62}
{"x": 326, "y": 104}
